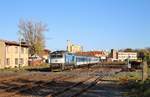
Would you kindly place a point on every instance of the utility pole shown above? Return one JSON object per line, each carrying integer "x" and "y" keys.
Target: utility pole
{"x": 19, "y": 51}
{"x": 144, "y": 68}
{"x": 129, "y": 65}
{"x": 19, "y": 59}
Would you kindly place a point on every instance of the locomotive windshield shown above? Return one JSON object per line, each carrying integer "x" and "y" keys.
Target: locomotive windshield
{"x": 56, "y": 55}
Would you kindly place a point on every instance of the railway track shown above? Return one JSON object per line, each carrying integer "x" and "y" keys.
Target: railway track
{"x": 77, "y": 88}
{"x": 68, "y": 88}
{"x": 81, "y": 87}
{"x": 91, "y": 79}
{"x": 65, "y": 82}
{"x": 86, "y": 88}
{"x": 30, "y": 86}
{"x": 13, "y": 77}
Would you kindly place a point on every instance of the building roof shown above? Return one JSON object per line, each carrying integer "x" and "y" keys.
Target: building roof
{"x": 59, "y": 52}
{"x": 92, "y": 53}
{"x": 14, "y": 43}
{"x": 47, "y": 50}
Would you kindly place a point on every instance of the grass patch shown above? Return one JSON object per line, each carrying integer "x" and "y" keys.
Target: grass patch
{"x": 136, "y": 75}
{"x": 25, "y": 69}
{"x": 12, "y": 70}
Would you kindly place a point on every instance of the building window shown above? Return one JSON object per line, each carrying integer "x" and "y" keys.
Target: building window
{"x": 16, "y": 61}
{"x": 8, "y": 61}
{"x": 16, "y": 49}
{"x": 21, "y": 61}
{"x": 22, "y": 50}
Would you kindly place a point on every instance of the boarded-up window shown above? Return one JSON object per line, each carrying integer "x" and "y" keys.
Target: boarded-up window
{"x": 16, "y": 61}
{"x": 8, "y": 61}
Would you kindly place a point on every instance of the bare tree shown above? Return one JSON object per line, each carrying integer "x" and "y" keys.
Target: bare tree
{"x": 33, "y": 34}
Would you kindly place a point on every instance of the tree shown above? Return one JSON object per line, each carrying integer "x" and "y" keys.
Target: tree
{"x": 128, "y": 50}
{"x": 33, "y": 34}
{"x": 143, "y": 54}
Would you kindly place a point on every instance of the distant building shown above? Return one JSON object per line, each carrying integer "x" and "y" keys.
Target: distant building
{"x": 36, "y": 60}
{"x": 13, "y": 54}
{"x": 45, "y": 55}
{"x": 113, "y": 54}
{"x": 126, "y": 55}
{"x": 121, "y": 56}
{"x": 72, "y": 48}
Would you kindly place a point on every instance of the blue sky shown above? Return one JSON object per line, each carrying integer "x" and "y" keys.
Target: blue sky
{"x": 95, "y": 24}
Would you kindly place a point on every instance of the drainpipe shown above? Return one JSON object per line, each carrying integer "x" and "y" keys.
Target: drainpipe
{"x": 4, "y": 55}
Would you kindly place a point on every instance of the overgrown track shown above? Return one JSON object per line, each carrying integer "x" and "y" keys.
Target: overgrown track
{"x": 30, "y": 87}
{"x": 88, "y": 87}
{"x": 14, "y": 86}
{"x": 11, "y": 77}
{"x": 91, "y": 79}
{"x": 68, "y": 88}
{"x": 58, "y": 84}
{"x": 77, "y": 89}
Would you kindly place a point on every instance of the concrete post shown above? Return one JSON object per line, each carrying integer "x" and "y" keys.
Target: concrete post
{"x": 144, "y": 71}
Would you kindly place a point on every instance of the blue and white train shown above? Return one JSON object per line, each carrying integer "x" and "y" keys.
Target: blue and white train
{"x": 63, "y": 60}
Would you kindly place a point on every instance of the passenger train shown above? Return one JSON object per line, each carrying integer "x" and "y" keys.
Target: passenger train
{"x": 63, "y": 60}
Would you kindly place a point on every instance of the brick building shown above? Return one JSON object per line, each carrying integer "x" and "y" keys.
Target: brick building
{"x": 13, "y": 54}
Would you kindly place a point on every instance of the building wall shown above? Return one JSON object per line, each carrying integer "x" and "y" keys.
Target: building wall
{"x": 73, "y": 48}
{"x": 13, "y": 55}
{"x": 2, "y": 54}
{"x": 125, "y": 55}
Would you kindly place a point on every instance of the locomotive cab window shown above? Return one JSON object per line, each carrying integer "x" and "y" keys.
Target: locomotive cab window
{"x": 56, "y": 56}
{"x": 59, "y": 56}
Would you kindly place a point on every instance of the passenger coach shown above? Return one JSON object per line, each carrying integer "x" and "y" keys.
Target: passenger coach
{"x": 63, "y": 60}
